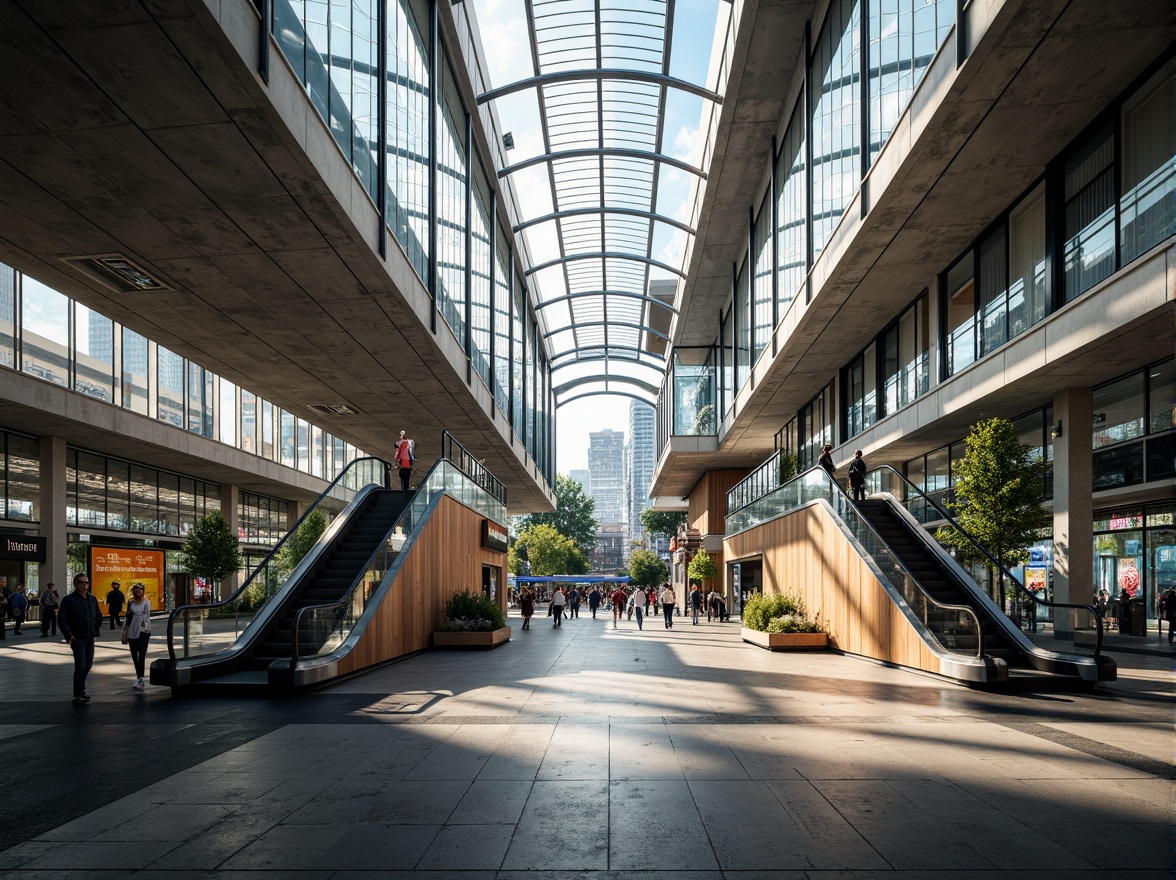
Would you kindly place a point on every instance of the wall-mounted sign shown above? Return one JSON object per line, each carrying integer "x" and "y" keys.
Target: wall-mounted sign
{"x": 494, "y": 536}
{"x": 128, "y": 566}
{"x": 22, "y": 549}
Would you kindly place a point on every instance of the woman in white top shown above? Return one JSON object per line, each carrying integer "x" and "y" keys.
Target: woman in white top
{"x": 138, "y": 630}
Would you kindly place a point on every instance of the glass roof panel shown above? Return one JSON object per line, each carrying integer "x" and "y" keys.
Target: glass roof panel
{"x": 614, "y": 212}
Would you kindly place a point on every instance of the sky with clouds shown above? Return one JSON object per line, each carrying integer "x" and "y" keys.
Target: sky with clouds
{"x": 503, "y": 28}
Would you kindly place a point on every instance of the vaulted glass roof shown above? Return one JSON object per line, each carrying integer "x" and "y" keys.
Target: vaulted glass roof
{"x": 604, "y": 181}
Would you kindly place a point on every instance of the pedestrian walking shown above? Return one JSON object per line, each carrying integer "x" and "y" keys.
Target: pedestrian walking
{"x": 114, "y": 602}
{"x": 20, "y": 608}
{"x": 1169, "y": 613}
{"x": 668, "y": 601}
{"x": 49, "y": 602}
{"x": 574, "y": 604}
{"x": 594, "y": 601}
{"x": 637, "y": 602}
{"x": 618, "y": 602}
{"x": 857, "y": 476}
{"x": 527, "y": 606}
{"x": 558, "y": 601}
{"x": 826, "y": 459}
{"x": 712, "y": 606}
{"x": 80, "y": 620}
{"x": 137, "y": 631}
{"x": 405, "y": 456}
{"x": 695, "y": 603}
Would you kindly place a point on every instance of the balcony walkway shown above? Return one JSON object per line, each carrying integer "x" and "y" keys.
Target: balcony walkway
{"x": 587, "y": 752}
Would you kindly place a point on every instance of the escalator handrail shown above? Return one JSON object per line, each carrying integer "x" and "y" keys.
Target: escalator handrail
{"x": 346, "y": 597}
{"x": 171, "y": 650}
{"x": 1098, "y": 619}
{"x": 947, "y": 606}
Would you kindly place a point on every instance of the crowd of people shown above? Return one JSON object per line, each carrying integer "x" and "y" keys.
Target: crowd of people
{"x": 625, "y": 603}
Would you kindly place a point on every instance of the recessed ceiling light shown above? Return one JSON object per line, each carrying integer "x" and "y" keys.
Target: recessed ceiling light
{"x": 119, "y": 272}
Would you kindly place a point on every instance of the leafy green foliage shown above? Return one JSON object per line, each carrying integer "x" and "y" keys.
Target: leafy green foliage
{"x": 548, "y": 551}
{"x": 573, "y": 516}
{"x": 789, "y": 467}
{"x": 646, "y": 569}
{"x": 470, "y": 611}
{"x": 702, "y": 567}
{"x": 662, "y": 522}
{"x": 998, "y": 496}
{"x": 777, "y": 614}
{"x": 211, "y": 551}
{"x": 303, "y": 540}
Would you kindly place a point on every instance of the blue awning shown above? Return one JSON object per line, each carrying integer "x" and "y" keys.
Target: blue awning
{"x": 571, "y": 579}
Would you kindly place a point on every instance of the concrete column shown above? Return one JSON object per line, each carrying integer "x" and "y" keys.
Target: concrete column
{"x": 1073, "y": 517}
{"x": 230, "y": 510}
{"x": 52, "y": 487}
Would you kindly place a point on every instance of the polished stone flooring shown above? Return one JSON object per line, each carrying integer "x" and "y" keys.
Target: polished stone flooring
{"x": 587, "y": 752}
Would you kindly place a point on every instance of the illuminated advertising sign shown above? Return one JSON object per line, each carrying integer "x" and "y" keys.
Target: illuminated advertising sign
{"x": 128, "y": 566}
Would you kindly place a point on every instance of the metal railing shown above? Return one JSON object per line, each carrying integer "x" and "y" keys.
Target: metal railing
{"x": 324, "y": 628}
{"x": 464, "y": 460}
{"x": 908, "y": 487}
{"x": 952, "y": 625}
{"x": 234, "y": 614}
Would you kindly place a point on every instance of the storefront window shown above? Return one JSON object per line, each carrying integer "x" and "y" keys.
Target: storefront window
{"x": 1161, "y": 381}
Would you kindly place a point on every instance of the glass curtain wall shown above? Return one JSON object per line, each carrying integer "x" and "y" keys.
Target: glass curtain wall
{"x": 1147, "y": 208}
{"x": 904, "y": 36}
{"x": 44, "y": 329}
{"x": 836, "y": 118}
{"x": 790, "y": 211}
{"x": 93, "y": 350}
{"x": 742, "y": 325}
{"x": 451, "y": 205}
{"x": 136, "y": 371}
{"x": 408, "y": 100}
{"x": 7, "y": 316}
{"x": 762, "y": 323}
{"x": 517, "y": 357}
{"x": 20, "y": 478}
{"x": 502, "y": 300}
{"x": 480, "y": 278}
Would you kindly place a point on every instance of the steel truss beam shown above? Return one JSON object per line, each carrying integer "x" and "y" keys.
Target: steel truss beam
{"x": 581, "y": 212}
{"x": 606, "y": 255}
{"x": 604, "y": 152}
{"x": 624, "y": 294}
{"x": 547, "y": 79}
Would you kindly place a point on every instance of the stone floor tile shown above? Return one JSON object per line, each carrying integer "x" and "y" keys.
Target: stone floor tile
{"x": 545, "y": 839}
{"x": 655, "y": 826}
{"x": 472, "y": 847}
{"x": 492, "y": 802}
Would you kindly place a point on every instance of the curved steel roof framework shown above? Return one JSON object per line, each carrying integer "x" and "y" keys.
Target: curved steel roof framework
{"x": 601, "y": 76}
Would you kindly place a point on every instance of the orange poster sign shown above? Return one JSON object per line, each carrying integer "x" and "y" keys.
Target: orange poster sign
{"x": 128, "y": 566}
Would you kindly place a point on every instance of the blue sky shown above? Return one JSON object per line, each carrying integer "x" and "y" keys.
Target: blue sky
{"x": 503, "y": 29}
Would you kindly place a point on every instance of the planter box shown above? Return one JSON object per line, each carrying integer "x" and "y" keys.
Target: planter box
{"x": 482, "y": 640}
{"x": 786, "y": 641}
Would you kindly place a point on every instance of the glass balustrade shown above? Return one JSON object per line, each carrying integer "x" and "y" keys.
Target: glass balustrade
{"x": 321, "y": 629}
{"x": 199, "y": 630}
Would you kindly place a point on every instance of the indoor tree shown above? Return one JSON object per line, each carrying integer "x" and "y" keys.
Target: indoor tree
{"x": 999, "y": 490}
{"x": 211, "y": 551}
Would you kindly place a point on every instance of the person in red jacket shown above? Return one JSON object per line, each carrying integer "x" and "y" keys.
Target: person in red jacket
{"x": 618, "y": 602}
{"x": 404, "y": 458}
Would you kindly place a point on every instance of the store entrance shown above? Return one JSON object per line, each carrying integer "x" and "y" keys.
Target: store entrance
{"x": 745, "y": 577}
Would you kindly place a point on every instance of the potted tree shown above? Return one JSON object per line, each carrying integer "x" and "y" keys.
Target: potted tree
{"x": 781, "y": 623}
{"x": 472, "y": 620}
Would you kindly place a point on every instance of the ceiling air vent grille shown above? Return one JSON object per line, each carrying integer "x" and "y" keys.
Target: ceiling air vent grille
{"x": 333, "y": 409}
{"x": 118, "y": 272}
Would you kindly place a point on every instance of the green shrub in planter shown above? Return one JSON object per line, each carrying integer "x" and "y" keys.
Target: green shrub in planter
{"x": 776, "y": 614}
{"x": 468, "y": 611}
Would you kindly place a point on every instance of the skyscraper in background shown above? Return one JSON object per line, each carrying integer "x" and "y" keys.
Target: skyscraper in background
{"x": 606, "y": 470}
{"x": 641, "y": 462}
{"x": 584, "y": 478}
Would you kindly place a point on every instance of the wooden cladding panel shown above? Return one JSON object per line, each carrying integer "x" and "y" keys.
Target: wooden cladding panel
{"x": 804, "y": 553}
{"x": 446, "y": 558}
{"x": 708, "y": 500}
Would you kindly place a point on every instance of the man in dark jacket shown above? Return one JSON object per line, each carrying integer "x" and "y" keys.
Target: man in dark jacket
{"x": 115, "y": 601}
{"x": 80, "y": 622}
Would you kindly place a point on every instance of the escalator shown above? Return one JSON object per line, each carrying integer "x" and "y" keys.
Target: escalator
{"x": 941, "y": 578}
{"x": 327, "y": 574}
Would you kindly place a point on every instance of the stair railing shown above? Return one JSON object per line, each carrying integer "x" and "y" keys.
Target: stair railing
{"x": 263, "y": 582}
{"x": 992, "y": 560}
{"x": 816, "y": 484}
